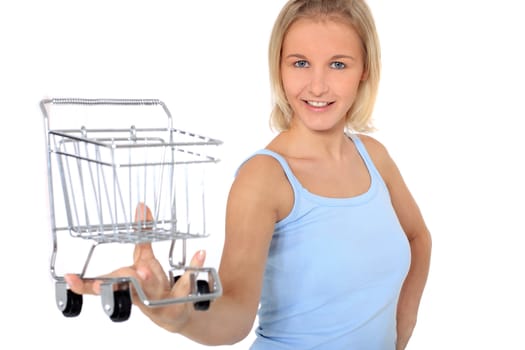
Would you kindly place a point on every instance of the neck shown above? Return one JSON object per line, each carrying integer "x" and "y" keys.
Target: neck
{"x": 303, "y": 143}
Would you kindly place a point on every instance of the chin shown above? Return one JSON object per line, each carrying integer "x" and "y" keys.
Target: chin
{"x": 324, "y": 125}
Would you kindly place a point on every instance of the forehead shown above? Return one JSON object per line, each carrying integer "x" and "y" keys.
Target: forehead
{"x": 321, "y": 34}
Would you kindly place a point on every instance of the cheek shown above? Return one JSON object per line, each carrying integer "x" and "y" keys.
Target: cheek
{"x": 348, "y": 87}
{"x": 292, "y": 83}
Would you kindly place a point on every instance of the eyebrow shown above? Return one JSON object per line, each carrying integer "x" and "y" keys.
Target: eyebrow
{"x": 336, "y": 57}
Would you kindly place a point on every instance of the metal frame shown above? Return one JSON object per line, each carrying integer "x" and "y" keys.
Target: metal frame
{"x": 96, "y": 176}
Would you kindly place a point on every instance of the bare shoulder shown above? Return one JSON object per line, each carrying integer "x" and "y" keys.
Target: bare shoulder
{"x": 372, "y": 143}
{"x": 261, "y": 181}
{"x": 261, "y": 162}
{"x": 260, "y": 171}
{"x": 377, "y": 151}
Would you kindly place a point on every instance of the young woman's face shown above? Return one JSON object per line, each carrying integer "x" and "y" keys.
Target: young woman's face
{"x": 321, "y": 66}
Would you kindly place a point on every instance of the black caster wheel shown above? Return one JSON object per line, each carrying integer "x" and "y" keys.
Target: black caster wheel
{"x": 122, "y": 306}
{"x": 202, "y": 288}
{"x": 73, "y": 304}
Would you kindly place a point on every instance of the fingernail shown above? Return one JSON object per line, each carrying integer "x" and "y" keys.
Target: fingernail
{"x": 200, "y": 255}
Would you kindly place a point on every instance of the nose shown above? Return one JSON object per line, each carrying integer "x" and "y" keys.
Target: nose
{"x": 318, "y": 82}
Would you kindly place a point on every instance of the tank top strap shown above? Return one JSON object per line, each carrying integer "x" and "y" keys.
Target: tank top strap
{"x": 364, "y": 155}
{"x": 284, "y": 164}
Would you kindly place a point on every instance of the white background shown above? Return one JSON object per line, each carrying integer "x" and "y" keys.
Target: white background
{"x": 450, "y": 111}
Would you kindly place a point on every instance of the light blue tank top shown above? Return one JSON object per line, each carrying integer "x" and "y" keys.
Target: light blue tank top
{"x": 334, "y": 270}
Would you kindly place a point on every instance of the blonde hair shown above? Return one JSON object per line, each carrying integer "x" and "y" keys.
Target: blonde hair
{"x": 356, "y": 13}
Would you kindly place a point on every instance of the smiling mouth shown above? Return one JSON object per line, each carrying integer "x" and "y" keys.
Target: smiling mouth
{"x": 318, "y": 104}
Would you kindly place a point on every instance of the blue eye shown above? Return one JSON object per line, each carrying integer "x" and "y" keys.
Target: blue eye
{"x": 338, "y": 65}
{"x": 301, "y": 64}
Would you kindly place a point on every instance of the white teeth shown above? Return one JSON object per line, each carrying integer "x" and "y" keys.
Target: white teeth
{"x": 317, "y": 104}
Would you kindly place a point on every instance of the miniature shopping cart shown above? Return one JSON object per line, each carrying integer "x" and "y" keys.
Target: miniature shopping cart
{"x": 102, "y": 163}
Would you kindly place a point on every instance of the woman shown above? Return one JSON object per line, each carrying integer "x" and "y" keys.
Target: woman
{"x": 323, "y": 238}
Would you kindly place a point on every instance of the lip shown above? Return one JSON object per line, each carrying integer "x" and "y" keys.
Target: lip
{"x": 317, "y": 108}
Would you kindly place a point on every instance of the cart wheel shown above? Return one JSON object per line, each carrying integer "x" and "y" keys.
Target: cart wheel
{"x": 73, "y": 304}
{"x": 202, "y": 288}
{"x": 122, "y": 307}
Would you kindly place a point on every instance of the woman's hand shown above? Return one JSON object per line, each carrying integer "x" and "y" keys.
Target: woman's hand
{"x": 152, "y": 278}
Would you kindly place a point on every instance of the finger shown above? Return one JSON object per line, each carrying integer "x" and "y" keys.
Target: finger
{"x": 81, "y": 286}
{"x": 143, "y": 214}
{"x": 198, "y": 259}
{"x": 144, "y": 218}
{"x": 78, "y": 285}
{"x": 92, "y": 285}
{"x": 143, "y": 252}
{"x": 183, "y": 287}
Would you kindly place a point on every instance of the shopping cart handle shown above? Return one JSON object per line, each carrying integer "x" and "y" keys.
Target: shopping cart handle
{"x": 99, "y": 102}
{"x": 102, "y": 101}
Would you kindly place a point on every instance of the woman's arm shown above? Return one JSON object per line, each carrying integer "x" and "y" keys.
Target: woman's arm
{"x": 418, "y": 236}
{"x": 420, "y": 246}
{"x": 252, "y": 211}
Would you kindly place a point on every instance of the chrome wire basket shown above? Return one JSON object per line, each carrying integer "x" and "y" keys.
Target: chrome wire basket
{"x": 111, "y": 182}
